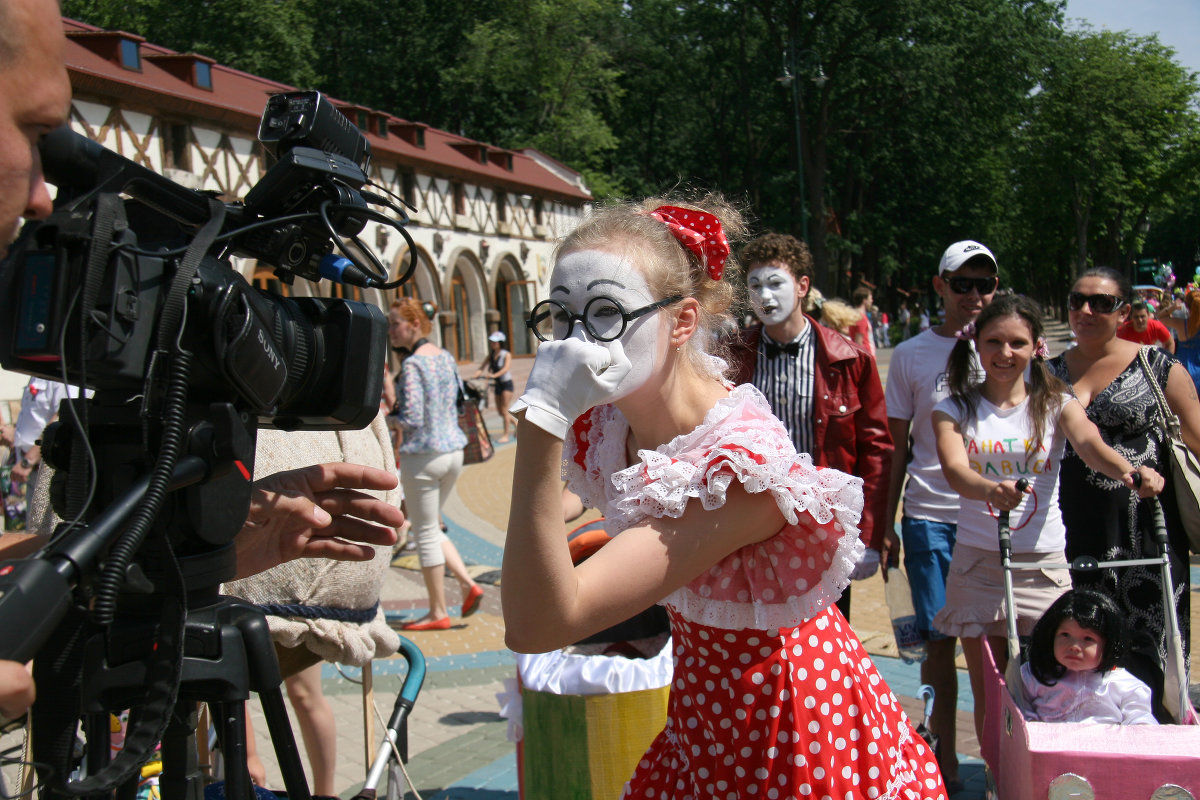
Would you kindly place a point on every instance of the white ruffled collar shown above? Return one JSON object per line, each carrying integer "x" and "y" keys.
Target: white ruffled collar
{"x": 607, "y": 462}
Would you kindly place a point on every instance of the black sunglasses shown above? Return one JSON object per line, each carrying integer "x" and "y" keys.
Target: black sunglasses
{"x": 1098, "y": 303}
{"x": 961, "y": 285}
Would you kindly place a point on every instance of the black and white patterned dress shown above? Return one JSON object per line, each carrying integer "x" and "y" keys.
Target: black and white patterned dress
{"x": 1108, "y": 521}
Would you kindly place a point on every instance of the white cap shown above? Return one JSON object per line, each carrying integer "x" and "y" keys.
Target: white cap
{"x": 497, "y": 336}
{"x": 960, "y": 253}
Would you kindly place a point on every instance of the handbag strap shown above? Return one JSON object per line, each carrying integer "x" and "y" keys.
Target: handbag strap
{"x": 1170, "y": 420}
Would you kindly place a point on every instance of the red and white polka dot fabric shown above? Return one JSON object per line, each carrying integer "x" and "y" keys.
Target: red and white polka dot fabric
{"x": 782, "y": 714}
{"x": 773, "y": 696}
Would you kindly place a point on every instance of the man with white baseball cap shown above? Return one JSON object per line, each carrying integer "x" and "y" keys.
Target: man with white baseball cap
{"x": 966, "y": 281}
{"x": 966, "y": 252}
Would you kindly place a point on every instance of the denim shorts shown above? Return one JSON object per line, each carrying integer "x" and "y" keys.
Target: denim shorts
{"x": 928, "y": 547}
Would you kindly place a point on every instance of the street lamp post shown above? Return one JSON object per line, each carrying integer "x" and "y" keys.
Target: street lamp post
{"x": 793, "y": 61}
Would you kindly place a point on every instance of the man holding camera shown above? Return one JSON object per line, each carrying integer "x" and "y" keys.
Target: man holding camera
{"x": 300, "y": 513}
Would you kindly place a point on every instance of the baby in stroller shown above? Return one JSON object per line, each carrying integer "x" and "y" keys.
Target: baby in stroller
{"x": 1071, "y": 674}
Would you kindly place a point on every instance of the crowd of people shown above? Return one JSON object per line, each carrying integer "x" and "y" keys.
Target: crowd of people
{"x": 938, "y": 449}
{"x": 747, "y": 479}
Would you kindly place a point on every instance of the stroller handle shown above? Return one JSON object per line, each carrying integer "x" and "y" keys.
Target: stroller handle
{"x": 396, "y": 734}
{"x": 416, "y": 671}
{"x": 1005, "y": 533}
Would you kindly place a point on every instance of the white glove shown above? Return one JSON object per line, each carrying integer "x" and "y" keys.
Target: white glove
{"x": 568, "y": 378}
{"x": 868, "y": 562}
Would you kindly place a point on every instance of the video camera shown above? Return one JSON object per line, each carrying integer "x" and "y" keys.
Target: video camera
{"x": 88, "y": 289}
{"x": 127, "y": 288}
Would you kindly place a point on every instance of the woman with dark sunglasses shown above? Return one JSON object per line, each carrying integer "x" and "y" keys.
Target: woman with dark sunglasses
{"x": 1106, "y": 520}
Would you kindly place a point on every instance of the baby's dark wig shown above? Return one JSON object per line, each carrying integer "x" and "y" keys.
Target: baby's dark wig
{"x": 1090, "y": 609}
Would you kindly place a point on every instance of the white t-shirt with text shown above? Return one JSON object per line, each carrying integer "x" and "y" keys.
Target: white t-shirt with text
{"x": 1000, "y": 447}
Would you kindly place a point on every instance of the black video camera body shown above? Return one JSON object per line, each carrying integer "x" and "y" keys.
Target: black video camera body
{"x": 86, "y": 287}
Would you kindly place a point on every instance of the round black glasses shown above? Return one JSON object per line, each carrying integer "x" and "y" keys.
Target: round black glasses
{"x": 603, "y": 318}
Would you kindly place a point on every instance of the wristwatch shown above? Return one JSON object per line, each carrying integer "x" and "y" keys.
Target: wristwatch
{"x": 25, "y": 463}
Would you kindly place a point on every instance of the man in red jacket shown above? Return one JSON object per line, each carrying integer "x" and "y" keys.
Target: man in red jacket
{"x": 824, "y": 388}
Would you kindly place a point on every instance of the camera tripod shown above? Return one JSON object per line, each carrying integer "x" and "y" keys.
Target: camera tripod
{"x": 173, "y": 640}
{"x": 228, "y": 653}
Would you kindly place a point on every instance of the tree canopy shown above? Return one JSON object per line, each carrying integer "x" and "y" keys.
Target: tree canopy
{"x": 914, "y": 123}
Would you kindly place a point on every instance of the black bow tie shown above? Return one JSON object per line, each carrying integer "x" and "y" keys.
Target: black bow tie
{"x": 774, "y": 349}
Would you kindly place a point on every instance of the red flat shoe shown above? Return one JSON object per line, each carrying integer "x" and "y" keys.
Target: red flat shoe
{"x": 429, "y": 625}
{"x": 472, "y": 601}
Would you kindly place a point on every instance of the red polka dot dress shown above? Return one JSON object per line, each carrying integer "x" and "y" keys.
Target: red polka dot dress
{"x": 773, "y": 696}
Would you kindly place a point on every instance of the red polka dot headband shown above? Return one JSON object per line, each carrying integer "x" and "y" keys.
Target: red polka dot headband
{"x": 700, "y": 233}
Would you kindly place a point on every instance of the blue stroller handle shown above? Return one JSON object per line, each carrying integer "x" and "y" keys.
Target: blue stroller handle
{"x": 396, "y": 734}
{"x": 416, "y": 671}
{"x": 925, "y": 692}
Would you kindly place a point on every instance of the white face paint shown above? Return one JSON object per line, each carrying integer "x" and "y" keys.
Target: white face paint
{"x": 583, "y": 274}
{"x": 772, "y": 293}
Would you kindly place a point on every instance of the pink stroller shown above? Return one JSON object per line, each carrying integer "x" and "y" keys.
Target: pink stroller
{"x": 1030, "y": 760}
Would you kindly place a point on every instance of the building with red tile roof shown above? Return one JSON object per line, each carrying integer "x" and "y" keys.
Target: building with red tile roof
{"x": 486, "y": 218}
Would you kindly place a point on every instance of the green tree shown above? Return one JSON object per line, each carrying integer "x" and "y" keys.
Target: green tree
{"x": 540, "y": 74}
{"x": 271, "y": 38}
{"x": 916, "y": 122}
{"x": 905, "y": 144}
{"x": 1105, "y": 142}
{"x": 394, "y": 56}
{"x": 1174, "y": 233}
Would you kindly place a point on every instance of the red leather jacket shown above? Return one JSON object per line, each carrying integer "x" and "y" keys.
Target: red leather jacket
{"x": 850, "y": 430}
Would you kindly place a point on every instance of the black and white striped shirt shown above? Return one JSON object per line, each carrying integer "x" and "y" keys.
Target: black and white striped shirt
{"x": 787, "y": 383}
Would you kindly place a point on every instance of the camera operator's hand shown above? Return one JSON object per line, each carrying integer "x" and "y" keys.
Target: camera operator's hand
{"x": 16, "y": 690}
{"x": 315, "y": 512}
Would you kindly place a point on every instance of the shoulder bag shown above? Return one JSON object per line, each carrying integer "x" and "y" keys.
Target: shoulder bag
{"x": 479, "y": 444}
{"x": 1185, "y": 468}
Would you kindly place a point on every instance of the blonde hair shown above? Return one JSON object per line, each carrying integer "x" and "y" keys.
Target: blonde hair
{"x": 839, "y": 315}
{"x": 626, "y": 228}
{"x": 412, "y": 312}
{"x": 813, "y": 301}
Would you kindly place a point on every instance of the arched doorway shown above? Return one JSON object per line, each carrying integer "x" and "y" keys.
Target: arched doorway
{"x": 422, "y": 285}
{"x": 512, "y": 300}
{"x": 465, "y": 331}
{"x": 461, "y": 306}
{"x": 265, "y": 280}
